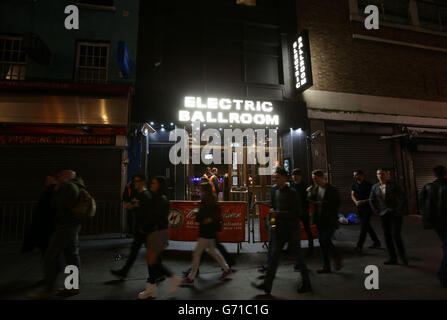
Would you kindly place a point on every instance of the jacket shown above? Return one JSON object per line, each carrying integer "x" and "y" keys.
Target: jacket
{"x": 433, "y": 203}
{"x": 209, "y": 230}
{"x": 64, "y": 200}
{"x": 301, "y": 189}
{"x": 288, "y": 202}
{"x": 160, "y": 207}
{"x": 326, "y": 215}
{"x": 394, "y": 202}
{"x": 147, "y": 218}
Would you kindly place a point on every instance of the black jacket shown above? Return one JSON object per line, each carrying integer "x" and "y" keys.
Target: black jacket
{"x": 147, "y": 218}
{"x": 160, "y": 207}
{"x": 433, "y": 203}
{"x": 288, "y": 202}
{"x": 301, "y": 189}
{"x": 209, "y": 230}
{"x": 326, "y": 216}
{"x": 394, "y": 202}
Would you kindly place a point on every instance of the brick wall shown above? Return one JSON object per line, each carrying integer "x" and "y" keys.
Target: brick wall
{"x": 341, "y": 63}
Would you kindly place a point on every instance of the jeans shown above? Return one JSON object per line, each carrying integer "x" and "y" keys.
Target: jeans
{"x": 392, "y": 228}
{"x": 442, "y": 273}
{"x": 64, "y": 242}
{"x": 202, "y": 245}
{"x": 365, "y": 227}
{"x": 279, "y": 236}
{"x": 138, "y": 240}
{"x": 327, "y": 247}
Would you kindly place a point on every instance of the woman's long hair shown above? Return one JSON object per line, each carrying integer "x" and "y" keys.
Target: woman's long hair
{"x": 162, "y": 186}
{"x": 208, "y": 196}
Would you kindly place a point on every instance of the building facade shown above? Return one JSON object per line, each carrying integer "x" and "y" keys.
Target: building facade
{"x": 379, "y": 95}
{"x": 65, "y": 101}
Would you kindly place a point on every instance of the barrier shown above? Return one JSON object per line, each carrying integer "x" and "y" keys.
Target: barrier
{"x": 264, "y": 209}
{"x": 183, "y": 226}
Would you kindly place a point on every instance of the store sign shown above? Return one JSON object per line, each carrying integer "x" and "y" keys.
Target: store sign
{"x": 301, "y": 61}
{"x": 57, "y": 140}
{"x": 228, "y": 111}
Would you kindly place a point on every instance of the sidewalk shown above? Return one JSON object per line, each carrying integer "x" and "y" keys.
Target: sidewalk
{"x": 418, "y": 281}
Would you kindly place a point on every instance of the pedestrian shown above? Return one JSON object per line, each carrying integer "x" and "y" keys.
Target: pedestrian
{"x": 299, "y": 185}
{"x": 64, "y": 242}
{"x": 285, "y": 227}
{"x": 210, "y": 220}
{"x": 156, "y": 228}
{"x": 388, "y": 200}
{"x": 326, "y": 201}
{"x": 434, "y": 207}
{"x": 42, "y": 224}
{"x": 129, "y": 194}
{"x": 141, "y": 195}
{"x": 360, "y": 191}
{"x": 214, "y": 179}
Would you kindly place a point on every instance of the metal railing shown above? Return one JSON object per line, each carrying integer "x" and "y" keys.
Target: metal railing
{"x": 16, "y": 218}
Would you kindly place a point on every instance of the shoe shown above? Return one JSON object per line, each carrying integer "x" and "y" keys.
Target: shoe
{"x": 262, "y": 269}
{"x": 261, "y": 287}
{"x": 390, "y": 262}
{"x": 376, "y": 246}
{"x": 304, "y": 287}
{"x": 324, "y": 270}
{"x": 67, "y": 292}
{"x": 187, "y": 282}
{"x": 174, "y": 284}
{"x": 149, "y": 293}
{"x": 338, "y": 264}
{"x": 187, "y": 272}
{"x": 225, "y": 274}
{"x": 43, "y": 295}
{"x": 297, "y": 268}
{"x": 119, "y": 273}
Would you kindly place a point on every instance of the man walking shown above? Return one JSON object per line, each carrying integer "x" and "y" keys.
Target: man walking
{"x": 434, "y": 207}
{"x": 360, "y": 195}
{"x": 64, "y": 242}
{"x": 388, "y": 200}
{"x": 326, "y": 201}
{"x": 142, "y": 197}
{"x": 299, "y": 185}
{"x": 285, "y": 228}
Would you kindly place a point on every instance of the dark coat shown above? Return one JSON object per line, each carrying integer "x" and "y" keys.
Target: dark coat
{"x": 434, "y": 205}
{"x": 326, "y": 217}
{"x": 395, "y": 200}
{"x": 209, "y": 230}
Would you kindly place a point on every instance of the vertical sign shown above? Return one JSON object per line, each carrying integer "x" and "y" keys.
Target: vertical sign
{"x": 301, "y": 61}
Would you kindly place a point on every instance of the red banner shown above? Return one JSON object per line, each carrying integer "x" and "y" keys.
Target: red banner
{"x": 264, "y": 209}
{"x": 183, "y": 225}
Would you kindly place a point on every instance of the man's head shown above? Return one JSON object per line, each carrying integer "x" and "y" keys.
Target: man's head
{"x": 50, "y": 179}
{"x": 215, "y": 171}
{"x": 382, "y": 175}
{"x": 318, "y": 177}
{"x": 440, "y": 172}
{"x": 297, "y": 176}
{"x": 208, "y": 170}
{"x": 139, "y": 181}
{"x": 66, "y": 175}
{"x": 359, "y": 176}
{"x": 281, "y": 177}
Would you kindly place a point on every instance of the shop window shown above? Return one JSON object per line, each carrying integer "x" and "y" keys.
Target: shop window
{"x": 390, "y": 10}
{"x": 12, "y": 58}
{"x": 92, "y": 60}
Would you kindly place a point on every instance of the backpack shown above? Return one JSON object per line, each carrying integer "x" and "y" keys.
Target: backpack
{"x": 86, "y": 205}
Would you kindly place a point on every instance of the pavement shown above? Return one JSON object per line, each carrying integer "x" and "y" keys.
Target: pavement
{"x": 19, "y": 273}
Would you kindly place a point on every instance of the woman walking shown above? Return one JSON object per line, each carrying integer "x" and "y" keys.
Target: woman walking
{"x": 210, "y": 221}
{"x": 157, "y": 240}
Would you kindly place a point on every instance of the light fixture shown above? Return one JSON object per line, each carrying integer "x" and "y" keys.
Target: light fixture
{"x": 172, "y": 124}
{"x": 152, "y": 123}
{"x": 299, "y": 130}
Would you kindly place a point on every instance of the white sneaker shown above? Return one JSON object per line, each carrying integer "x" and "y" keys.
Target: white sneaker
{"x": 149, "y": 293}
{"x": 174, "y": 284}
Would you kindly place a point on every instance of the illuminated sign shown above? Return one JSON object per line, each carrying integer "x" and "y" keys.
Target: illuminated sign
{"x": 301, "y": 62}
{"x": 228, "y": 111}
{"x": 54, "y": 140}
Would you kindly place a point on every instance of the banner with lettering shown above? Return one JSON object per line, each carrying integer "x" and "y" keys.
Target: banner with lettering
{"x": 183, "y": 225}
{"x": 264, "y": 209}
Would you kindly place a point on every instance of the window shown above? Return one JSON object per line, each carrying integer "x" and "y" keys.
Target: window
{"x": 432, "y": 16}
{"x": 92, "y": 61}
{"x": 12, "y": 58}
{"x": 390, "y": 10}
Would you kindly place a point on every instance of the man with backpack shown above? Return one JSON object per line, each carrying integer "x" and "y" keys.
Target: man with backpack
{"x": 71, "y": 202}
{"x": 434, "y": 207}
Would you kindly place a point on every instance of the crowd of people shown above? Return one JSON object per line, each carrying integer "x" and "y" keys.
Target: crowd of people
{"x": 55, "y": 227}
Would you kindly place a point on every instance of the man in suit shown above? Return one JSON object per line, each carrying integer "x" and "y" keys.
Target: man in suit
{"x": 388, "y": 200}
{"x": 326, "y": 202}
